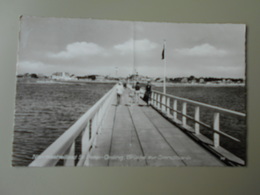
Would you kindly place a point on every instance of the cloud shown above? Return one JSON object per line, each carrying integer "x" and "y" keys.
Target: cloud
{"x": 203, "y": 50}
{"x": 32, "y": 67}
{"x": 78, "y": 49}
{"x": 129, "y": 46}
{"x": 144, "y": 45}
{"x": 126, "y": 47}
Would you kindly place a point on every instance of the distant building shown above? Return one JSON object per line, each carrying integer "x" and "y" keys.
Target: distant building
{"x": 100, "y": 78}
{"x": 184, "y": 80}
{"x": 63, "y": 76}
{"x": 228, "y": 81}
{"x": 27, "y": 75}
{"x": 193, "y": 81}
{"x": 201, "y": 80}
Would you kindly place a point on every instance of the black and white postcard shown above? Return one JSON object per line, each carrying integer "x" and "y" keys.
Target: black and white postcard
{"x": 122, "y": 93}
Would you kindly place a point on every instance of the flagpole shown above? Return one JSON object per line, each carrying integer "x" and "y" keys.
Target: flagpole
{"x": 164, "y": 71}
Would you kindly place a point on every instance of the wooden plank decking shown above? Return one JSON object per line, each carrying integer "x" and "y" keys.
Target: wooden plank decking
{"x": 133, "y": 135}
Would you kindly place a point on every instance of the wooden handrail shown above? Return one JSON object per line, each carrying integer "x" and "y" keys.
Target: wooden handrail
{"x": 216, "y": 108}
{"x": 50, "y": 156}
{"x": 161, "y": 102}
{"x": 201, "y": 123}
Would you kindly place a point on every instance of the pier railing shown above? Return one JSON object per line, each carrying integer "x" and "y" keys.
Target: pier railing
{"x": 86, "y": 128}
{"x": 168, "y": 104}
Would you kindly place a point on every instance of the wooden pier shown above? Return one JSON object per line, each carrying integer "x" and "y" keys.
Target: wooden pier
{"x": 132, "y": 134}
{"x": 137, "y": 135}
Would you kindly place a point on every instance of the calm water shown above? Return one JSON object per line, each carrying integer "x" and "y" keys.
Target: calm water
{"x": 45, "y": 110}
{"x": 230, "y": 97}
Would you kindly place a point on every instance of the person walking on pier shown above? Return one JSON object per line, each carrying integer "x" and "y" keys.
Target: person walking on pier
{"x": 148, "y": 91}
{"x": 119, "y": 91}
{"x": 137, "y": 93}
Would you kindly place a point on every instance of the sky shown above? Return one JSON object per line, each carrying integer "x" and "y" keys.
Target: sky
{"x": 119, "y": 48}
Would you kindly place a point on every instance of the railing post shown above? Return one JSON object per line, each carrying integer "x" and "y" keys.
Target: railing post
{"x": 69, "y": 160}
{"x": 158, "y": 101}
{"x": 163, "y": 105}
{"x": 184, "y": 111}
{"x": 95, "y": 129}
{"x": 97, "y": 120}
{"x": 175, "y": 110}
{"x": 216, "y": 127}
{"x": 100, "y": 117}
{"x": 85, "y": 139}
{"x": 85, "y": 145}
{"x": 155, "y": 99}
{"x": 152, "y": 98}
{"x": 168, "y": 106}
{"x": 197, "y": 118}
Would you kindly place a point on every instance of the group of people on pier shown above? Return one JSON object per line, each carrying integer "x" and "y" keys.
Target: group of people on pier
{"x": 135, "y": 92}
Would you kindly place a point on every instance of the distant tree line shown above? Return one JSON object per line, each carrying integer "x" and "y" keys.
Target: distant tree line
{"x": 28, "y": 75}
{"x": 202, "y": 79}
{"x": 92, "y": 77}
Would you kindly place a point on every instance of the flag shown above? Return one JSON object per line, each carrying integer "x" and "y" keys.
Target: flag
{"x": 163, "y": 52}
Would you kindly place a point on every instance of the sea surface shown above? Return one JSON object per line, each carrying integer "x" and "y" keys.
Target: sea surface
{"x": 45, "y": 109}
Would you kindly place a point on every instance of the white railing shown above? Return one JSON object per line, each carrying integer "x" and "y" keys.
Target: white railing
{"x": 87, "y": 126}
{"x": 162, "y": 102}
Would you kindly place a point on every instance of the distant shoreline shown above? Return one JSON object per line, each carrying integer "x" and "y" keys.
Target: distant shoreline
{"x": 153, "y": 83}
{"x": 198, "y": 85}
